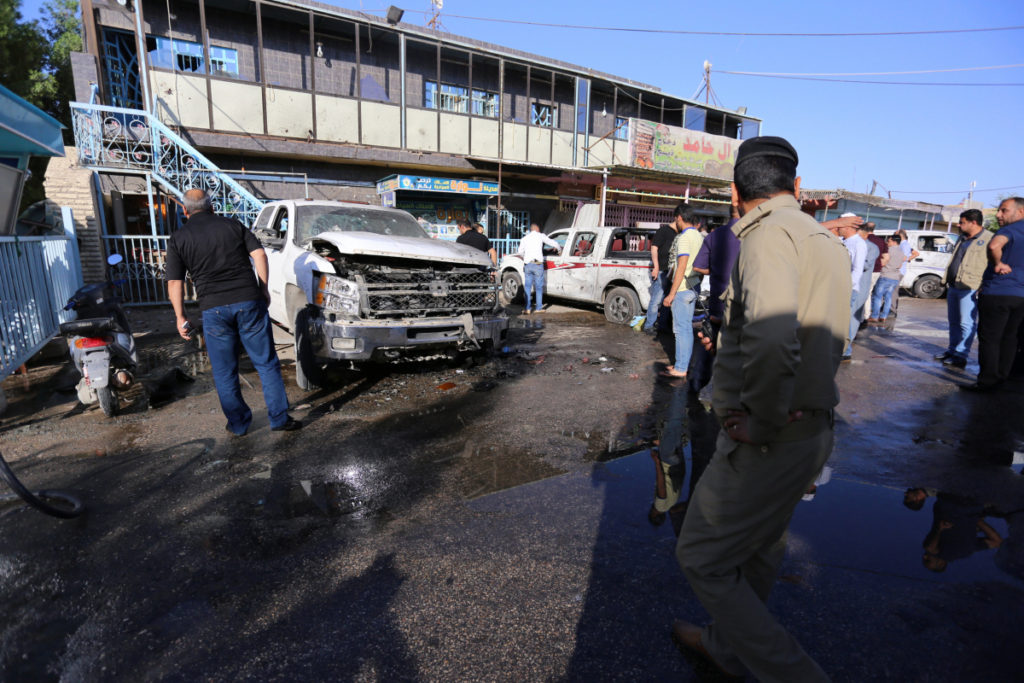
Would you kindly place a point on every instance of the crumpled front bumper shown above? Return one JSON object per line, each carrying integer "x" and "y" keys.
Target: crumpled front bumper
{"x": 384, "y": 340}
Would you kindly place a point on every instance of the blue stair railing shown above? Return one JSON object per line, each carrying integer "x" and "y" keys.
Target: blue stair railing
{"x": 116, "y": 139}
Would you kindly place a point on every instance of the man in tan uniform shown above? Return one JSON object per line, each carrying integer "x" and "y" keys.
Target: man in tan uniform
{"x": 786, "y": 320}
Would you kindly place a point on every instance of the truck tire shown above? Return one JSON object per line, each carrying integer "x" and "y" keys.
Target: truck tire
{"x": 108, "y": 404}
{"x": 621, "y": 305}
{"x": 511, "y": 287}
{"x": 928, "y": 287}
{"x": 309, "y": 372}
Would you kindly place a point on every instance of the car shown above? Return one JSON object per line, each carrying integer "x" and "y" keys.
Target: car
{"x": 924, "y": 273}
{"x": 357, "y": 283}
{"x": 604, "y": 266}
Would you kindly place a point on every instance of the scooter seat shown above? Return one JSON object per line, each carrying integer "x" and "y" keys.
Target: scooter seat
{"x": 88, "y": 326}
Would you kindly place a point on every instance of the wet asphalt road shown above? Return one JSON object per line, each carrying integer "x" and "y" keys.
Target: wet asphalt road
{"x": 488, "y": 521}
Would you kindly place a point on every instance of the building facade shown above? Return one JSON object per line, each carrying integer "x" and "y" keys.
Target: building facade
{"x": 293, "y": 99}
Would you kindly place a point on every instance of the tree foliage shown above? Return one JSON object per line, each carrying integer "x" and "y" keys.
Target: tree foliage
{"x": 35, "y": 63}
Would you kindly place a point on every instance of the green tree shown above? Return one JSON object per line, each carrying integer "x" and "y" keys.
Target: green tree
{"x": 35, "y": 63}
{"x": 22, "y": 55}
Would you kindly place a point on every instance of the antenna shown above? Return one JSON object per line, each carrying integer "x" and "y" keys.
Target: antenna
{"x": 435, "y": 15}
{"x": 709, "y": 94}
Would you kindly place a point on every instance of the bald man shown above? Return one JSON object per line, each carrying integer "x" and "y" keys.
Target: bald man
{"x": 216, "y": 251}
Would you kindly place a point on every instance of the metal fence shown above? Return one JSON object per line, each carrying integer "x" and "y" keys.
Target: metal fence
{"x": 37, "y": 277}
{"x": 505, "y": 245}
{"x": 143, "y": 268}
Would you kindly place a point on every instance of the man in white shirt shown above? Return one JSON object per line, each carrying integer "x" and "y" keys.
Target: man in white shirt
{"x": 858, "y": 249}
{"x": 531, "y": 248}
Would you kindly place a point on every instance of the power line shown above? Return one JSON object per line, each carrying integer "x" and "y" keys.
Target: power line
{"x": 848, "y": 80}
{"x": 876, "y": 73}
{"x": 743, "y": 34}
{"x": 991, "y": 189}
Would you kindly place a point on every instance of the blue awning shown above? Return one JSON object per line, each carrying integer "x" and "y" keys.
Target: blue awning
{"x": 27, "y": 130}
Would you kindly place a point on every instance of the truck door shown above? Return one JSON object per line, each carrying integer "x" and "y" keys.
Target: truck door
{"x": 276, "y": 249}
{"x": 574, "y": 275}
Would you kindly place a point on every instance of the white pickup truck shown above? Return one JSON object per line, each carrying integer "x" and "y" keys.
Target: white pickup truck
{"x": 357, "y": 283}
{"x": 605, "y": 266}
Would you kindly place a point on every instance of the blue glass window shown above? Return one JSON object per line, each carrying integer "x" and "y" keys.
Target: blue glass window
{"x": 695, "y": 118}
{"x": 185, "y": 55}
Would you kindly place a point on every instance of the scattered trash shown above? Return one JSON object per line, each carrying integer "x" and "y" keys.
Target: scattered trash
{"x": 585, "y": 361}
{"x": 460, "y": 371}
{"x": 607, "y": 369}
{"x": 634, "y": 376}
{"x": 537, "y": 361}
{"x": 602, "y": 359}
{"x": 446, "y": 386}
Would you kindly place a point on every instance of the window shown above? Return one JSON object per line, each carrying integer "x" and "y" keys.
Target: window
{"x": 583, "y": 245}
{"x": 446, "y": 98}
{"x": 941, "y": 243}
{"x": 223, "y": 61}
{"x": 694, "y": 118}
{"x": 749, "y": 129}
{"x": 543, "y": 115}
{"x": 485, "y": 103}
{"x": 185, "y": 55}
{"x": 621, "y": 128}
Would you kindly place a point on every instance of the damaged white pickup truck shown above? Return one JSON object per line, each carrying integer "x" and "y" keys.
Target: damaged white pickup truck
{"x": 360, "y": 283}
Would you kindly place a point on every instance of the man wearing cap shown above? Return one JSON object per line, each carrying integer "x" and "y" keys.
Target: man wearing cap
{"x": 786, "y": 317}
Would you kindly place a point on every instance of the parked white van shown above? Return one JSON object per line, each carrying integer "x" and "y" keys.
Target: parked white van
{"x": 924, "y": 273}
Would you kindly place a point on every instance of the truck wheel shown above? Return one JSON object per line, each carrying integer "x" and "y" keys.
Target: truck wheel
{"x": 511, "y": 286}
{"x": 309, "y": 373}
{"x": 928, "y": 287}
{"x": 108, "y": 404}
{"x": 621, "y": 305}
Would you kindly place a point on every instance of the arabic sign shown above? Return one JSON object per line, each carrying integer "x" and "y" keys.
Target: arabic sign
{"x": 678, "y": 150}
{"x": 430, "y": 184}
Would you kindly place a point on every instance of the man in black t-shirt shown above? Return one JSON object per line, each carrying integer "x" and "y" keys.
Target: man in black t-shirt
{"x": 215, "y": 252}
{"x": 477, "y": 240}
{"x": 660, "y": 247}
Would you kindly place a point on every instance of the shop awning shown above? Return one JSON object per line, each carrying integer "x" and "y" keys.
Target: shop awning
{"x": 26, "y": 130}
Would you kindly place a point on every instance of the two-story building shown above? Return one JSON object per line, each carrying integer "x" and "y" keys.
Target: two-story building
{"x": 293, "y": 99}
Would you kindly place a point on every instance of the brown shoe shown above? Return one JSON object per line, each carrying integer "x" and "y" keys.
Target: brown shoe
{"x": 686, "y": 636}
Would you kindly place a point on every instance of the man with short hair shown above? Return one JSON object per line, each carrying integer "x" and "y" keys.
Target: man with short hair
{"x": 889, "y": 279}
{"x": 531, "y": 248}
{"x": 962, "y": 279}
{"x": 785, "y": 320}
{"x": 857, "y": 248}
{"x": 472, "y": 238}
{"x": 215, "y": 252}
{"x": 1001, "y": 298}
{"x": 661, "y": 245}
{"x": 682, "y": 295}
{"x": 867, "y": 231}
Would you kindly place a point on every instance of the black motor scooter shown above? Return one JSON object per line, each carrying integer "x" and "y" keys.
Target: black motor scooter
{"x": 101, "y": 343}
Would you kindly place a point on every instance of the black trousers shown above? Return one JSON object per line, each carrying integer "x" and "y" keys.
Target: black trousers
{"x": 999, "y": 321}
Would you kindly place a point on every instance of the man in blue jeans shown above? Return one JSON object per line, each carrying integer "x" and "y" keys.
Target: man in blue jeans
{"x": 215, "y": 251}
{"x": 660, "y": 248}
{"x": 682, "y": 295}
{"x": 531, "y": 248}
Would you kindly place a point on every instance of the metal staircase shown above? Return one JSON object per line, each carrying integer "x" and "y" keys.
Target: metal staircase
{"x": 116, "y": 139}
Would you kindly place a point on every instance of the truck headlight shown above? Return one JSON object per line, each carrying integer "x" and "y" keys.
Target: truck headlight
{"x": 337, "y": 294}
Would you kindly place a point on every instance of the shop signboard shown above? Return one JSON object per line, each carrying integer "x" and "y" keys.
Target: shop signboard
{"x": 432, "y": 184}
{"x": 677, "y": 150}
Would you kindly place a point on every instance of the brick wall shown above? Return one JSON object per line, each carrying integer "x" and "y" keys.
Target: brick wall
{"x": 69, "y": 184}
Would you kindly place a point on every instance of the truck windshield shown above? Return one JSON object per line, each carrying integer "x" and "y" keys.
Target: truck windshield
{"x": 313, "y": 220}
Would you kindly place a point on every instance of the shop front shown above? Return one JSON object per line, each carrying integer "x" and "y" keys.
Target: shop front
{"x": 439, "y": 203}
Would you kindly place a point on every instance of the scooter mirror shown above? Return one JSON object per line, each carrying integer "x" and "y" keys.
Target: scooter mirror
{"x": 114, "y": 259}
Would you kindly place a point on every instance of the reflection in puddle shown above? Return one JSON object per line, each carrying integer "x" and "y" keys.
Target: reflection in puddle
{"x": 485, "y": 470}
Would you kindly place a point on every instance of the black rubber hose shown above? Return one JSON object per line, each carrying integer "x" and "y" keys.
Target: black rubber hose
{"x": 36, "y": 500}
